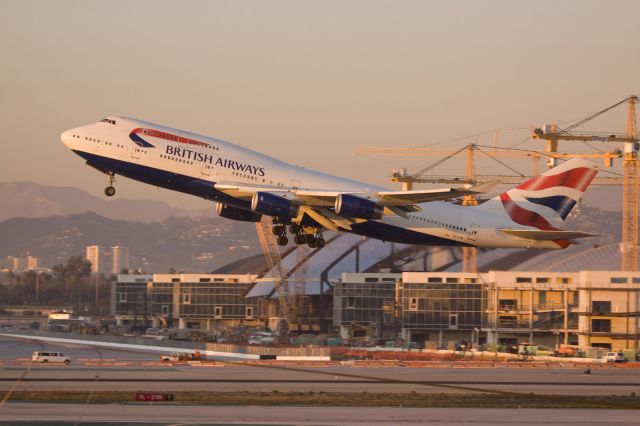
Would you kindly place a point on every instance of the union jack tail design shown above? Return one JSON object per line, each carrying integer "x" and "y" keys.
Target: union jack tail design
{"x": 545, "y": 201}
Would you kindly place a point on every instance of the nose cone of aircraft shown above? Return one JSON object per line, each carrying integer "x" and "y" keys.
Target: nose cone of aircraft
{"x": 67, "y": 138}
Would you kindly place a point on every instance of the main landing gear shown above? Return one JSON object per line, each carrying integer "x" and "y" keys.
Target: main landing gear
{"x": 110, "y": 191}
{"x": 313, "y": 239}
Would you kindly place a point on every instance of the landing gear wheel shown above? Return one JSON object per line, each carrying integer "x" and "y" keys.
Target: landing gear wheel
{"x": 300, "y": 239}
{"x": 278, "y": 230}
{"x": 313, "y": 243}
{"x": 294, "y": 228}
{"x": 283, "y": 240}
{"x": 320, "y": 242}
{"x": 109, "y": 191}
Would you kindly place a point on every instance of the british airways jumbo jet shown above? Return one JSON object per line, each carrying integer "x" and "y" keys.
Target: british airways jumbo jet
{"x": 247, "y": 185}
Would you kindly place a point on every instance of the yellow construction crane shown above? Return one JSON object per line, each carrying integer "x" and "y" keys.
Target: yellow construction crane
{"x": 552, "y": 135}
{"x": 280, "y": 275}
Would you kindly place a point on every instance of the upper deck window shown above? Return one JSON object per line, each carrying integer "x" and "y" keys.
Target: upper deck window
{"x": 106, "y": 120}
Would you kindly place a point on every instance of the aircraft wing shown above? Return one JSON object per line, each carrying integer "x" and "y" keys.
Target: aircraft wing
{"x": 406, "y": 200}
{"x": 534, "y": 234}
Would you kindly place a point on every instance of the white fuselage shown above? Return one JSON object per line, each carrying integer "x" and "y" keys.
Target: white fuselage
{"x": 178, "y": 156}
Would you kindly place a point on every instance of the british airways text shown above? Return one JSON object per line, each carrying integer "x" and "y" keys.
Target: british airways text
{"x": 222, "y": 162}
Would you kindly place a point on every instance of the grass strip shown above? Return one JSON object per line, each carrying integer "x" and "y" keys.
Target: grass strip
{"x": 340, "y": 399}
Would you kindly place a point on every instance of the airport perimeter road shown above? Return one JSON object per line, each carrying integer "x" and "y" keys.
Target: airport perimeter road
{"x": 327, "y": 379}
{"x": 203, "y": 415}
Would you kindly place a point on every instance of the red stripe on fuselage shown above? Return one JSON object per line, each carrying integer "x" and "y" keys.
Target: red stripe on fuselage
{"x": 528, "y": 218}
{"x": 168, "y": 136}
{"x": 578, "y": 178}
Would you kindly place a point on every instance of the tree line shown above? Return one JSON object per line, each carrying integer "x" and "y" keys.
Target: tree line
{"x": 69, "y": 285}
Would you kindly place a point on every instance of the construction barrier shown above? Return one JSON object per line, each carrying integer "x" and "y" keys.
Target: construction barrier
{"x": 305, "y": 351}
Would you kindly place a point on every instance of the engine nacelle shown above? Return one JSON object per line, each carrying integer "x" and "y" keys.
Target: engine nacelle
{"x": 235, "y": 213}
{"x": 357, "y": 207}
{"x": 273, "y": 205}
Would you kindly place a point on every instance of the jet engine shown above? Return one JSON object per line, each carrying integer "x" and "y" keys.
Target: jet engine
{"x": 273, "y": 205}
{"x": 357, "y": 207}
{"x": 235, "y": 213}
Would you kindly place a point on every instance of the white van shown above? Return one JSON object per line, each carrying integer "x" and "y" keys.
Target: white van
{"x": 50, "y": 357}
{"x": 614, "y": 357}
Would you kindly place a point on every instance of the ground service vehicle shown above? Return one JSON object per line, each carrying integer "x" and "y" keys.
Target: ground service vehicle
{"x": 50, "y": 357}
{"x": 614, "y": 357}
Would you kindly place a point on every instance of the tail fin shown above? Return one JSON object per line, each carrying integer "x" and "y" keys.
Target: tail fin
{"x": 546, "y": 200}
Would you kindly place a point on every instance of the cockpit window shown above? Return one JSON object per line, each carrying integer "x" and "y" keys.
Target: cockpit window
{"x": 106, "y": 120}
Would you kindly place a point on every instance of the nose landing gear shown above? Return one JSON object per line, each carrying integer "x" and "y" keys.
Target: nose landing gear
{"x": 110, "y": 191}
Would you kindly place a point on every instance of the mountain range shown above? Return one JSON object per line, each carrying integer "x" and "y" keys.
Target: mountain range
{"x": 29, "y": 199}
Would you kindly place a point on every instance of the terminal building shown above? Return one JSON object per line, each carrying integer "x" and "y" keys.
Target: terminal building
{"x": 194, "y": 301}
{"x": 586, "y": 308}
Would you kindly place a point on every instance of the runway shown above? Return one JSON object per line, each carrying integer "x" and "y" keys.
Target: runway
{"x": 251, "y": 415}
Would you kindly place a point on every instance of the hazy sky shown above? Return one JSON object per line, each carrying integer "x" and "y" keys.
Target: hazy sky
{"x": 305, "y": 81}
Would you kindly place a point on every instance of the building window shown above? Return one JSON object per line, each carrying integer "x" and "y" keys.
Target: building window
{"x": 248, "y": 312}
{"x": 451, "y": 280}
{"x": 165, "y": 309}
{"x": 635, "y": 280}
{"x": 205, "y": 280}
{"x": 123, "y": 297}
{"x": 186, "y": 298}
{"x": 507, "y": 304}
{"x": 619, "y": 280}
{"x": 370, "y": 280}
{"x": 542, "y": 298}
{"x": 175, "y": 280}
{"x": 523, "y": 279}
{"x": 351, "y": 302}
{"x": 601, "y": 307}
{"x": 601, "y": 325}
{"x": 453, "y": 321}
{"x": 217, "y": 312}
{"x": 434, "y": 279}
{"x": 413, "y": 304}
{"x": 563, "y": 280}
{"x": 542, "y": 280}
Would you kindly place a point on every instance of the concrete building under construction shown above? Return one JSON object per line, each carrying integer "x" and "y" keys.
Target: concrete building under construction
{"x": 586, "y": 308}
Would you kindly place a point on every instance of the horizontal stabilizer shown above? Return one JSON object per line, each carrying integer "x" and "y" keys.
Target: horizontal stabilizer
{"x": 533, "y": 234}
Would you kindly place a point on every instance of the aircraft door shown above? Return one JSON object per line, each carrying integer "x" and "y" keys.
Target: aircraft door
{"x": 135, "y": 151}
{"x": 205, "y": 170}
{"x": 473, "y": 232}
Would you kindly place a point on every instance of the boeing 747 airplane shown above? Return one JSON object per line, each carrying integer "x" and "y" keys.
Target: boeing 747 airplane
{"x": 247, "y": 185}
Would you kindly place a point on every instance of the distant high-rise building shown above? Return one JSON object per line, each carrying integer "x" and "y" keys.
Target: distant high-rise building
{"x": 32, "y": 262}
{"x": 95, "y": 255}
{"x": 120, "y": 259}
{"x": 6, "y": 262}
{"x": 19, "y": 264}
